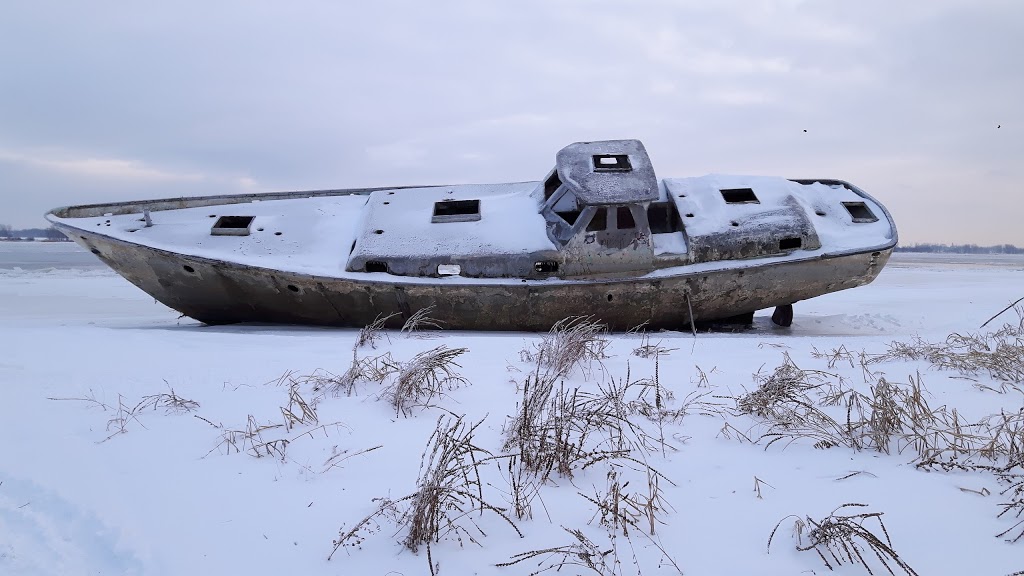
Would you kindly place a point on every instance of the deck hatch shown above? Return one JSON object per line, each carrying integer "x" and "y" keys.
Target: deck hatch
{"x": 232, "y": 226}
{"x": 739, "y": 196}
{"x": 456, "y": 211}
{"x": 790, "y": 243}
{"x": 860, "y": 212}
{"x": 612, "y": 163}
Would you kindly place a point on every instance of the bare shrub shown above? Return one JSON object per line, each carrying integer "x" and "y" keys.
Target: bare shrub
{"x": 425, "y": 378}
{"x": 449, "y": 493}
{"x": 844, "y": 539}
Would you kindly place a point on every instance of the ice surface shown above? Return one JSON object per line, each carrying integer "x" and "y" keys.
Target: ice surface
{"x": 162, "y": 499}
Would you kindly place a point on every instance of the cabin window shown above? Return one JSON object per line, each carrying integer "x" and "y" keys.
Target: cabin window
{"x": 567, "y": 208}
{"x": 860, "y": 212}
{"x": 739, "y": 196}
{"x": 790, "y": 243}
{"x": 599, "y": 222}
{"x": 664, "y": 218}
{"x": 624, "y": 218}
{"x": 570, "y": 216}
{"x": 551, "y": 184}
{"x": 456, "y": 211}
{"x": 375, "y": 266}
{"x": 232, "y": 226}
{"x": 612, "y": 163}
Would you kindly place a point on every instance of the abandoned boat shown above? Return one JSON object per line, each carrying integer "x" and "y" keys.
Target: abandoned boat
{"x": 599, "y": 236}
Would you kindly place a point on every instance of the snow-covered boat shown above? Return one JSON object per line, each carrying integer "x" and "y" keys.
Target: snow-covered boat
{"x": 599, "y": 236}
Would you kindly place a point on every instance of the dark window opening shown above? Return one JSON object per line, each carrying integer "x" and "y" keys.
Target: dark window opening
{"x": 612, "y": 163}
{"x": 790, "y": 243}
{"x": 664, "y": 218}
{"x": 599, "y": 222}
{"x": 232, "y": 226}
{"x": 375, "y": 266}
{"x": 546, "y": 267}
{"x": 570, "y": 216}
{"x": 739, "y": 196}
{"x": 551, "y": 185}
{"x": 860, "y": 212}
{"x": 624, "y": 218}
{"x": 456, "y": 211}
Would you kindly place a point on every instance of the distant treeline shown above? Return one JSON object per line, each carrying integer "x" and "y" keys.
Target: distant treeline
{"x": 51, "y": 233}
{"x": 961, "y": 249}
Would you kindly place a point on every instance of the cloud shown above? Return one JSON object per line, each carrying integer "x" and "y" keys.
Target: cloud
{"x": 193, "y": 98}
{"x": 104, "y": 168}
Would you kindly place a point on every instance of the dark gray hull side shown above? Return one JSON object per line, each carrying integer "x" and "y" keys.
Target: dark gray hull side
{"x": 217, "y": 292}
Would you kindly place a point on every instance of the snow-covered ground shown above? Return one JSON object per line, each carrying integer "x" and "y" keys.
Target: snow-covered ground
{"x": 170, "y": 495}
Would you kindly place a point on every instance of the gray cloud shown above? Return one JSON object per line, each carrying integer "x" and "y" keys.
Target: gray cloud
{"x": 116, "y": 100}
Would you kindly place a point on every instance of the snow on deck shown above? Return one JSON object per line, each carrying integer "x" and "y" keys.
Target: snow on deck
{"x": 315, "y": 235}
{"x": 823, "y": 204}
{"x": 398, "y": 224}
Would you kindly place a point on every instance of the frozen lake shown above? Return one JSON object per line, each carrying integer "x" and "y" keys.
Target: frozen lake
{"x": 90, "y": 483}
{"x": 43, "y": 255}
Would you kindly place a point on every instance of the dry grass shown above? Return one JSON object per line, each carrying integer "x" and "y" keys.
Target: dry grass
{"x": 369, "y": 334}
{"x": 843, "y": 539}
{"x": 251, "y": 440}
{"x": 783, "y": 399}
{"x": 424, "y": 379}
{"x": 648, "y": 350}
{"x": 581, "y": 554}
{"x": 298, "y": 412}
{"x": 998, "y": 354}
{"x": 421, "y": 320}
{"x": 124, "y": 413}
{"x": 571, "y": 342}
{"x": 448, "y": 497}
{"x": 619, "y": 510}
{"x": 559, "y": 430}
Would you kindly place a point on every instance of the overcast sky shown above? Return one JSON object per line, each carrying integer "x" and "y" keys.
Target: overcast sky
{"x": 917, "y": 102}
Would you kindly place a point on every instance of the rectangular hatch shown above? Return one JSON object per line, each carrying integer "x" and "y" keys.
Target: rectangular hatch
{"x": 456, "y": 211}
{"x": 232, "y": 226}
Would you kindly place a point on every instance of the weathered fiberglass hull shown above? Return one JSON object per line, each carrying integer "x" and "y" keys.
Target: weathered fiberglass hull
{"x": 220, "y": 292}
{"x": 599, "y": 236}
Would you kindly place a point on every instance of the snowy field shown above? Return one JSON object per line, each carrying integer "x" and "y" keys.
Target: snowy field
{"x": 102, "y": 471}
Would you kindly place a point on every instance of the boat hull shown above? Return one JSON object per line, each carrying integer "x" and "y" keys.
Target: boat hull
{"x": 220, "y": 292}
